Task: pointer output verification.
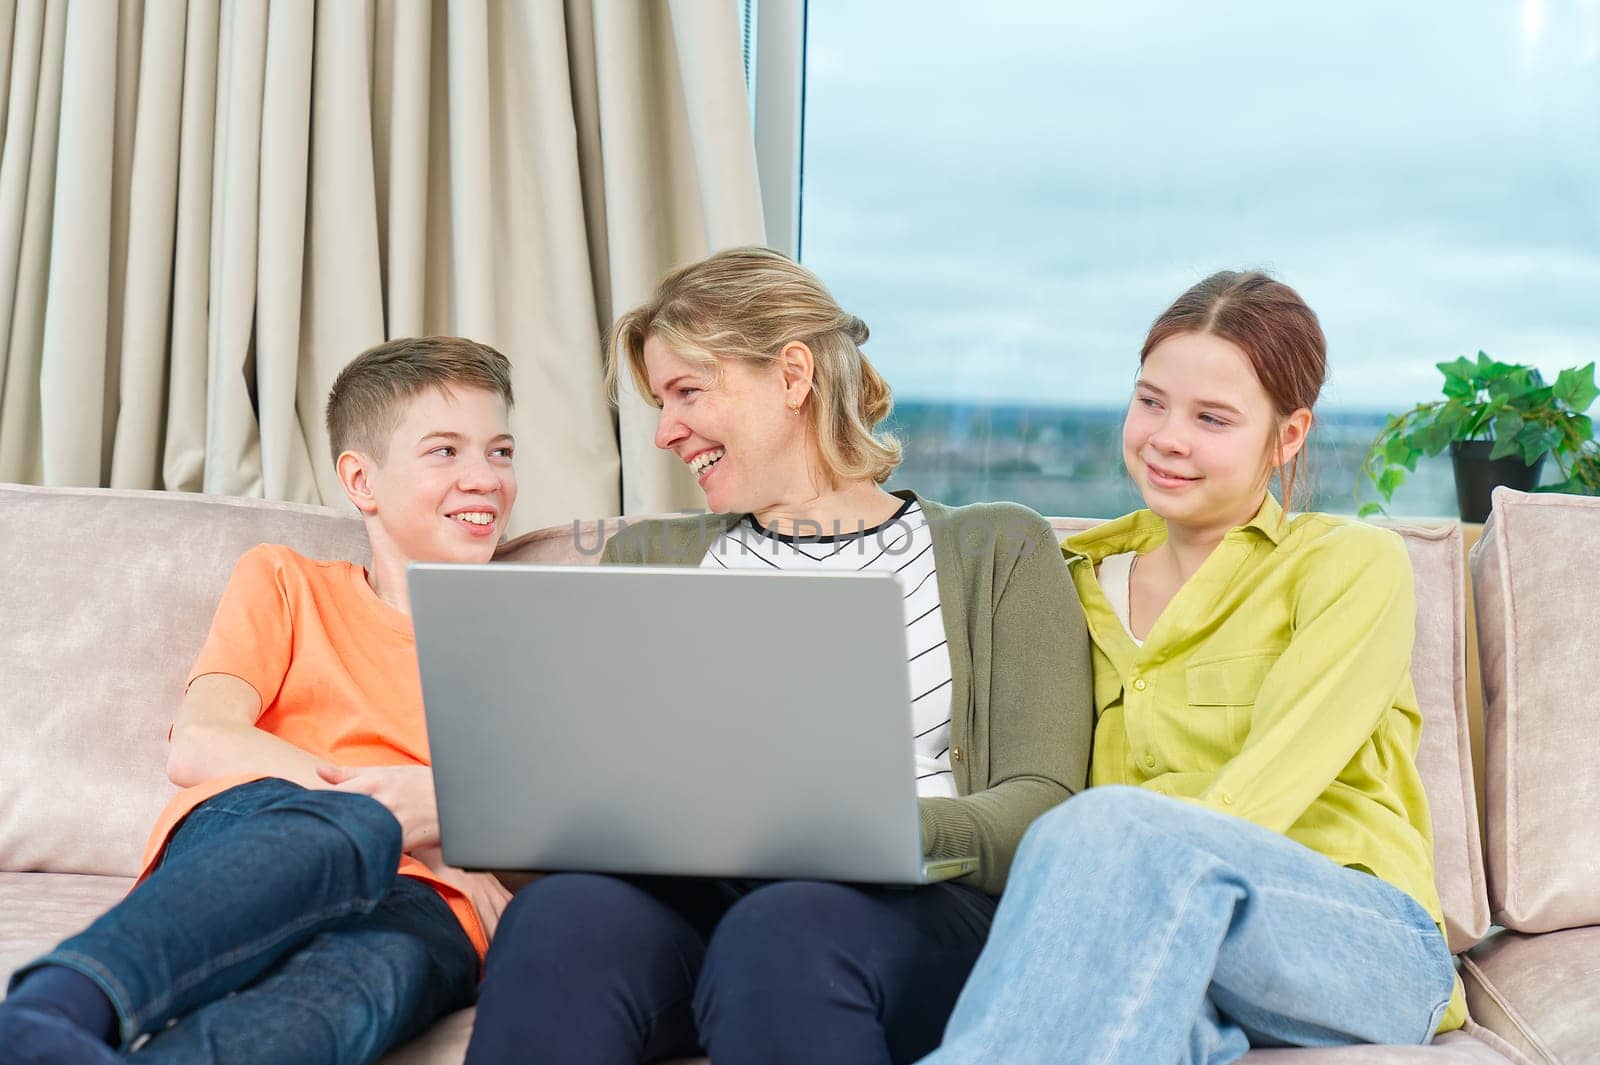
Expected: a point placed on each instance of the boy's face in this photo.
(444, 489)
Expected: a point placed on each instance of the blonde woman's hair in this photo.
(747, 304)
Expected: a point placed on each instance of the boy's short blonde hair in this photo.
(746, 304)
(367, 397)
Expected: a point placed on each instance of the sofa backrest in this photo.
(576, 544)
(1444, 758)
(106, 600)
(1537, 595)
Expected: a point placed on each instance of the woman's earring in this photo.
(794, 408)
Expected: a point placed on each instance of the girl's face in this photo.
(1200, 433)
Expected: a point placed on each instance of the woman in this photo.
(1260, 870)
(765, 394)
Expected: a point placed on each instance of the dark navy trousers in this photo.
(617, 971)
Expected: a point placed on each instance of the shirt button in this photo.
(1227, 800)
(1140, 685)
(1149, 760)
(955, 754)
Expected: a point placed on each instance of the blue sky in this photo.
(1009, 193)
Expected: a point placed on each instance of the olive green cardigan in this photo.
(1021, 700)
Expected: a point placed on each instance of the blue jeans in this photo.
(288, 897)
(590, 969)
(1143, 929)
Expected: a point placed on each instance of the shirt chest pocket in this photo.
(1221, 695)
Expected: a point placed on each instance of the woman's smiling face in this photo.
(1199, 432)
(732, 424)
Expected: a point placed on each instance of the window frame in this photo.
(778, 114)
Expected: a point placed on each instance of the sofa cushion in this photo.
(107, 599)
(1444, 758)
(1538, 992)
(443, 1044)
(39, 910)
(446, 1044)
(1452, 1048)
(1538, 594)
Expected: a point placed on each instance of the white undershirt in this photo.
(903, 545)
(1116, 580)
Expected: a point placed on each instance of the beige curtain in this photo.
(207, 208)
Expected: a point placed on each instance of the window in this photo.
(1009, 194)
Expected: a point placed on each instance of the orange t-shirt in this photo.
(336, 669)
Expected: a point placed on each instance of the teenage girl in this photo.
(1255, 866)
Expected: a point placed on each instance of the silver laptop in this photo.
(627, 719)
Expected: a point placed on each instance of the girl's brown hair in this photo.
(748, 304)
(1271, 324)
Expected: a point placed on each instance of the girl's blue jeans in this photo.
(1142, 929)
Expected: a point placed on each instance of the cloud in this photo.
(1008, 195)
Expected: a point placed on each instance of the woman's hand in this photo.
(487, 895)
(407, 790)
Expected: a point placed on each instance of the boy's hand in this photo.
(486, 893)
(407, 790)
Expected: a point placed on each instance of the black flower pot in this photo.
(1477, 475)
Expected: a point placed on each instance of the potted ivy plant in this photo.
(1499, 421)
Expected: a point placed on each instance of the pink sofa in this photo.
(108, 595)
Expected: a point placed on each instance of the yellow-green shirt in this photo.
(1275, 686)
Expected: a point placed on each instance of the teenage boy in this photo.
(294, 906)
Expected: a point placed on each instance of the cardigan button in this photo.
(955, 754)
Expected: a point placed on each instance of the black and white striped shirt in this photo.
(903, 546)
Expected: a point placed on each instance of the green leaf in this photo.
(1458, 383)
(1576, 485)
(1576, 388)
(1515, 382)
(1390, 479)
(1536, 440)
(1506, 427)
(1534, 399)
(1434, 438)
(1492, 370)
(1432, 433)
(1507, 423)
(1454, 417)
(1368, 510)
(1585, 479)
(1396, 450)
